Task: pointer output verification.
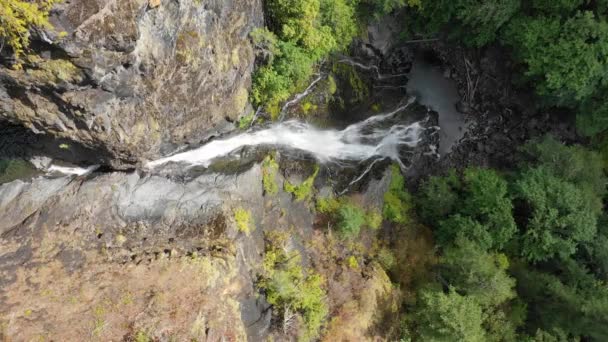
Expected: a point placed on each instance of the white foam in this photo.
(357, 142)
(72, 171)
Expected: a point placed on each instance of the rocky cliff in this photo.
(135, 77)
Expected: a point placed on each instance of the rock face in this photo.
(135, 77)
(128, 254)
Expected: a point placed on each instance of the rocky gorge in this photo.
(128, 252)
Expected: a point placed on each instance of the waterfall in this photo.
(357, 142)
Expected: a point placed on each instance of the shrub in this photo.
(269, 174)
(245, 121)
(350, 219)
(348, 216)
(16, 19)
(291, 288)
(328, 205)
(373, 219)
(243, 221)
(304, 191)
(397, 201)
(352, 262)
(386, 258)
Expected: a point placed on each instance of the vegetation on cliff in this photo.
(300, 33)
(17, 18)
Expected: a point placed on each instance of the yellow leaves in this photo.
(243, 220)
(16, 19)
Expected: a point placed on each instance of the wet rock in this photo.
(133, 80)
(382, 33)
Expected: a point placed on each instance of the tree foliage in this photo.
(302, 32)
(477, 207)
(566, 59)
(17, 18)
(397, 201)
(567, 299)
(477, 273)
(448, 317)
(560, 191)
(291, 288)
(559, 216)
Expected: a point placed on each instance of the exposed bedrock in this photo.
(135, 78)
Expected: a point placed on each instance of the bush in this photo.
(348, 216)
(328, 205)
(243, 221)
(269, 174)
(386, 258)
(17, 17)
(373, 219)
(291, 288)
(350, 220)
(303, 191)
(397, 201)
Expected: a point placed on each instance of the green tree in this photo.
(302, 32)
(448, 317)
(567, 299)
(397, 201)
(477, 207)
(475, 22)
(438, 197)
(564, 58)
(559, 217)
(291, 288)
(477, 273)
(575, 164)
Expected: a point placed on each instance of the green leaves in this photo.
(566, 60)
(397, 201)
(291, 288)
(448, 317)
(477, 207)
(473, 271)
(561, 193)
(303, 32)
(560, 218)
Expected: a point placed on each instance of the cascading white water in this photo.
(357, 142)
(71, 171)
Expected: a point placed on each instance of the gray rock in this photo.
(136, 80)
